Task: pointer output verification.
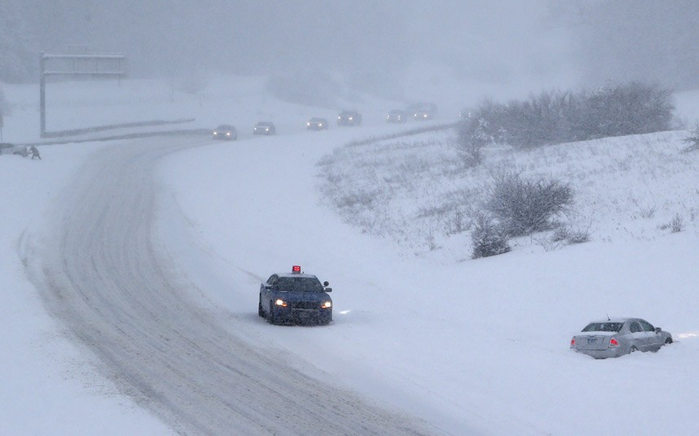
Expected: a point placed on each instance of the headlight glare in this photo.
(280, 302)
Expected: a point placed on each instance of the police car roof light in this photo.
(296, 269)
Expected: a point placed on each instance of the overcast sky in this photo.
(588, 40)
(262, 36)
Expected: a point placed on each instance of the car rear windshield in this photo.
(603, 327)
(298, 284)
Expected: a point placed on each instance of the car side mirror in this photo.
(658, 330)
(328, 289)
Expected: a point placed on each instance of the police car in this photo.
(295, 298)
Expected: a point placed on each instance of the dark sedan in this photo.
(264, 128)
(349, 118)
(317, 124)
(295, 298)
(226, 132)
(397, 116)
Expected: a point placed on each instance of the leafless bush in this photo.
(525, 206)
(648, 213)
(560, 234)
(553, 117)
(564, 234)
(675, 225)
(692, 140)
(487, 238)
(473, 137)
(578, 237)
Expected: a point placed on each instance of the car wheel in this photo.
(260, 311)
(270, 315)
(633, 349)
(668, 341)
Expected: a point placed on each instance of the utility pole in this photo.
(42, 96)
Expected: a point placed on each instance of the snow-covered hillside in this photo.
(470, 346)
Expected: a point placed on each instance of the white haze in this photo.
(536, 44)
(164, 37)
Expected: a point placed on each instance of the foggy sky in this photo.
(591, 41)
(263, 36)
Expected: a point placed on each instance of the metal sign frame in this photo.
(76, 65)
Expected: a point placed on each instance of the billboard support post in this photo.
(76, 65)
(42, 98)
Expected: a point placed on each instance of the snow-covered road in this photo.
(101, 270)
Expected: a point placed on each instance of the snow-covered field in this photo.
(471, 346)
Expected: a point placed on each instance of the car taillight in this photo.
(572, 343)
(613, 342)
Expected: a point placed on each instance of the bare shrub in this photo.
(564, 234)
(677, 224)
(578, 237)
(473, 137)
(648, 213)
(554, 117)
(692, 140)
(487, 238)
(560, 234)
(525, 206)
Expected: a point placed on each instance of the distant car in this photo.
(317, 124)
(616, 337)
(264, 128)
(226, 132)
(422, 110)
(295, 297)
(397, 116)
(349, 118)
(20, 150)
(423, 114)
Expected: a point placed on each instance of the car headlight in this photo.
(215, 133)
(326, 305)
(280, 302)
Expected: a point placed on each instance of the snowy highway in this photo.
(99, 269)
